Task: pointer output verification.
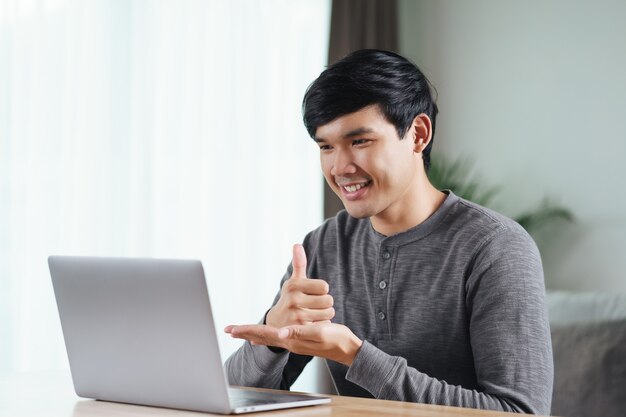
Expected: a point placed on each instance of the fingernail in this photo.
(283, 333)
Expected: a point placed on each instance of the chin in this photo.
(357, 213)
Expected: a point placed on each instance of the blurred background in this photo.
(173, 129)
(154, 129)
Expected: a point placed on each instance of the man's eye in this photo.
(325, 147)
(360, 141)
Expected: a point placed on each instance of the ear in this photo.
(421, 131)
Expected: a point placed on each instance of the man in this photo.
(411, 293)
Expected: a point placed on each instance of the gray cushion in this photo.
(567, 307)
(589, 369)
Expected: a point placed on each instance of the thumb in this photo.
(298, 262)
(291, 332)
(310, 332)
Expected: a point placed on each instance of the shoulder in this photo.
(500, 247)
(484, 228)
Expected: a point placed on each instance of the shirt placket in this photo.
(381, 289)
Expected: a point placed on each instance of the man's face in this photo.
(367, 165)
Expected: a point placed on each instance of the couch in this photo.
(589, 347)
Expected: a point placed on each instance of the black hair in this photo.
(367, 77)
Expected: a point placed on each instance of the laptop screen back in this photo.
(140, 331)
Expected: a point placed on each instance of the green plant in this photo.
(458, 176)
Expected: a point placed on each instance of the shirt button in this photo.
(386, 255)
(381, 315)
(382, 285)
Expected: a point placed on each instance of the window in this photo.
(159, 129)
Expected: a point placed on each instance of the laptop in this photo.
(141, 331)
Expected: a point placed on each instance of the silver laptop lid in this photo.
(140, 331)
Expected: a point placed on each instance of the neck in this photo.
(419, 203)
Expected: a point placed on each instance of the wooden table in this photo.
(51, 394)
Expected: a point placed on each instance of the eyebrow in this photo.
(356, 132)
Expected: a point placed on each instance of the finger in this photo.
(260, 341)
(308, 286)
(313, 332)
(286, 333)
(316, 315)
(228, 328)
(251, 329)
(257, 334)
(313, 301)
(299, 332)
(298, 262)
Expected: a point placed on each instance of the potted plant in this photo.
(456, 175)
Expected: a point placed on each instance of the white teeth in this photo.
(353, 188)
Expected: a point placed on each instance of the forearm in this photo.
(390, 378)
(256, 366)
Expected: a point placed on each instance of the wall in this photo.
(535, 93)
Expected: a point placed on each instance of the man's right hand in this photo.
(302, 300)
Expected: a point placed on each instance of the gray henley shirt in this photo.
(451, 312)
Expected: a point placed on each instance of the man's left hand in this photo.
(327, 340)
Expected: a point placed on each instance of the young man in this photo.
(411, 293)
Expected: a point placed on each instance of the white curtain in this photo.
(153, 128)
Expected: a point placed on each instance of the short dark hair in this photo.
(367, 77)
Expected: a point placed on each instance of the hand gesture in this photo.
(326, 340)
(302, 300)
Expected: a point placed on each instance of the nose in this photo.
(342, 163)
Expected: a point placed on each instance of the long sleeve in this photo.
(264, 367)
(509, 335)
(451, 312)
(256, 366)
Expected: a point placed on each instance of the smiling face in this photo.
(374, 173)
